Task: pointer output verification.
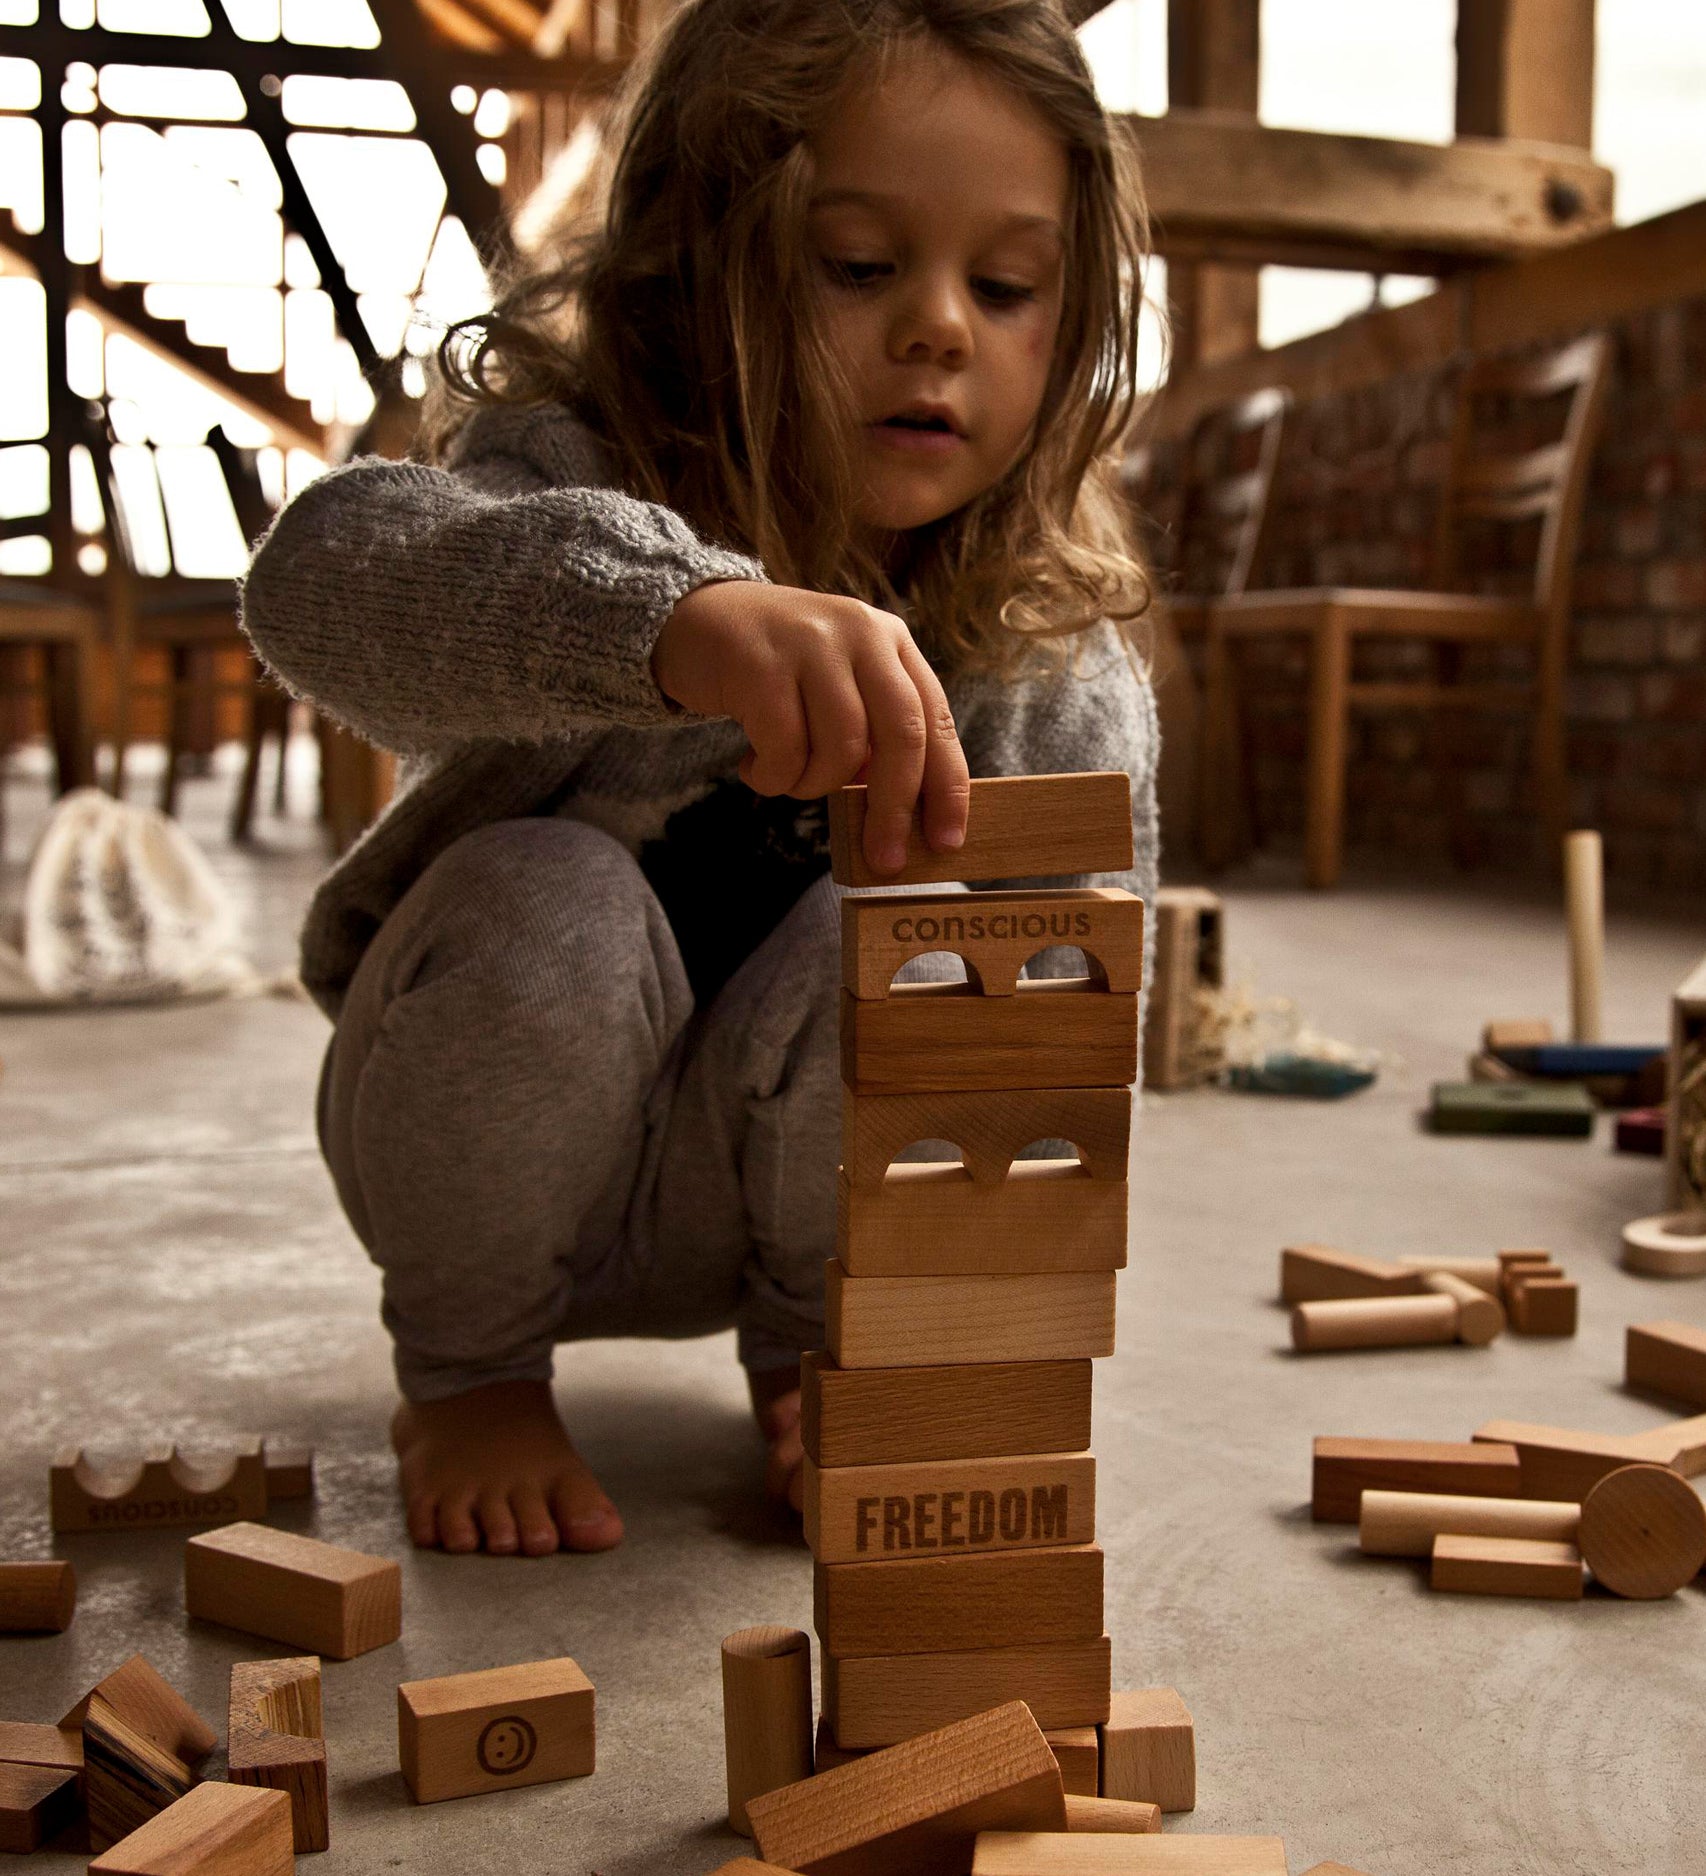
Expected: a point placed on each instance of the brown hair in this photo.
(679, 322)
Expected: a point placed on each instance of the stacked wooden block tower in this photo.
(950, 1494)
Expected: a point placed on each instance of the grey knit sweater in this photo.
(493, 623)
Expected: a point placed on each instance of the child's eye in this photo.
(848, 273)
(1002, 292)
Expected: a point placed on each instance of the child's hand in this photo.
(829, 691)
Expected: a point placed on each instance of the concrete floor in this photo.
(172, 1262)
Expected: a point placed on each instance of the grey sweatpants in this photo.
(539, 1139)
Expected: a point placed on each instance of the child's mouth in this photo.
(918, 431)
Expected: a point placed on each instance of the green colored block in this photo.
(1511, 1107)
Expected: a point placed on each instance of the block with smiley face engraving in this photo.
(496, 1728)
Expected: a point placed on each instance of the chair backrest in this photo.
(1230, 462)
(1519, 479)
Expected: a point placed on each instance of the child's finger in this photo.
(780, 739)
(899, 737)
(837, 728)
(945, 797)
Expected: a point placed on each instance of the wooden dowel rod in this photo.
(1480, 1317)
(767, 1714)
(1584, 906)
(37, 1598)
(1405, 1524)
(1374, 1322)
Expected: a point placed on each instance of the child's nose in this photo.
(932, 326)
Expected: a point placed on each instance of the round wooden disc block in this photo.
(1672, 1244)
(1643, 1531)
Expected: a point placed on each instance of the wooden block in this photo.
(216, 1830)
(1560, 1462)
(1032, 1853)
(495, 1729)
(1405, 1524)
(1507, 1566)
(1679, 1444)
(1669, 1244)
(1486, 1273)
(294, 1589)
(1019, 827)
(1149, 1751)
(289, 1469)
(1052, 1033)
(1345, 1468)
(991, 1128)
(995, 933)
(1519, 1107)
(1189, 925)
(928, 1322)
(828, 1752)
(1374, 1322)
(58, 1747)
(127, 1776)
(854, 1512)
(931, 1605)
(1666, 1358)
(1522, 1032)
(1118, 1816)
(875, 1700)
(1514, 1260)
(36, 1804)
(748, 1866)
(1078, 1752)
(277, 1739)
(934, 1220)
(1480, 1317)
(161, 1490)
(916, 1808)
(1312, 1273)
(1643, 1532)
(146, 1702)
(883, 1416)
(1514, 1276)
(1545, 1306)
(767, 1714)
(37, 1598)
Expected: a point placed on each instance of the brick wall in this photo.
(1355, 504)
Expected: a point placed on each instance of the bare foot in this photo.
(493, 1470)
(776, 1402)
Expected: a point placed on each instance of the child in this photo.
(788, 473)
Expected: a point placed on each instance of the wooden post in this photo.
(767, 1714)
(1584, 903)
(1525, 70)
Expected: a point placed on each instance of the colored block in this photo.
(1512, 1108)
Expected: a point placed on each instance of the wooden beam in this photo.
(1525, 69)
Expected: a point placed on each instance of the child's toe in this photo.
(533, 1520)
(457, 1530)
(497, 1521)
(422, 1515)
(585, 1517)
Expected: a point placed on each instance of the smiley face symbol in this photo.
(507, 1746)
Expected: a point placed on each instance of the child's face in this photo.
(937, 226)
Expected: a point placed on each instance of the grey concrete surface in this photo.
(172, 1263)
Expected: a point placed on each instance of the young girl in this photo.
(788, 473)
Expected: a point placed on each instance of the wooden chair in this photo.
(1545, 484)
(64, 628)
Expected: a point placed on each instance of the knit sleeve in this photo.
(511, 596)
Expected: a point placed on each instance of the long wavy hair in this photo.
(677, 319)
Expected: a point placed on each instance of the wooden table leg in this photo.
(1329, 714)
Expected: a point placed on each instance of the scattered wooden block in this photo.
(767, 1714)
(876, 1700)
(996, 933)
(289, 1469)
(1052, 1033)
(1666, 1358)
(36, 1804)
(1669, 1244)
(932, 1219)
(878, 1416)
(918, 1806)
(140, 1696)
(854, 1512)
(1560, 1462)
(1518, 1107)
(1019, 827)
(1149, 1751)
(1032, 1853)
(1124, 1817)
(277, 1739)
(294, 1589)
(1507, 1566)
(1679, 1444)
(748, 1866)
(37, 1598)
(991, 1128)
(1078, 1752)
(1486, 1273)
(1640, 1130)
(495, 1728)
(1643, 1532)
(1480, 1317)
(1515, 1260)
(1313, 1273)
(1522, 1032)
(1345, 1468)
(128, 1777)
(927, 1322)
(162, 1490)
(1544, 1306)
(57, 1747)
(215, 1830)
(930, 1605)
(1374, 1322)
(1405, 1524)
(1189, 924)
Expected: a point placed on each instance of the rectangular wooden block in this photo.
(1078, 1752)
(294, 1589)
(893, 1416)
(216, 1830)
(36, 1803)
(875, 1700)
(495, 1729)
(989, 1127)
(149, 1704)
(935, 1220)
(289, 1470)
(1560, 1462)
(1189, 924)
(995, 933)
(1346, 1468)
(1544, 1306)
(972, 1505)
(1507, 1566)
(162, 1490)
(24, 1743)
(1019, 827)
(37, 1598)
(747, 1866)
(931, 1605)
(1516, 1107)
(1149, 1750)
(927, 1322)
(1316, 1273)
(915, 1809)
(127, 1776)
(1052, 1033)
(277, 1740)
(1030, 1853)
(1666, 1358)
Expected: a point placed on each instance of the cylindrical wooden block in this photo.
(1126, 1817)
(1584, 904)
(1405, 1524)
(1485, 1273)
(37, 1597)
(1643, 1532)
(1374, 1322)
(1480, 1317)
(767, 1714)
